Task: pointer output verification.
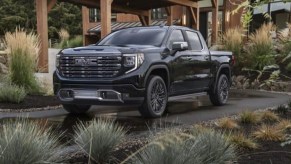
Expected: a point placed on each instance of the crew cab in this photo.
(142, 66)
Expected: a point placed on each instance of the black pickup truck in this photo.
(142, 66)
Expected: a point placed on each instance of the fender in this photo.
(158, 66)
(218, 73)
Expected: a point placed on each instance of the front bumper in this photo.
(83, 93)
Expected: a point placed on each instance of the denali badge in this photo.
(85, 62)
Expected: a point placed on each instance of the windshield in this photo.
(135, 36)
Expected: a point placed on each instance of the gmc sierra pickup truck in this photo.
(142, 66)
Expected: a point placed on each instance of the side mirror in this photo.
(180, 46)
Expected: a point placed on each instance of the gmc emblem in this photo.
(85, 62)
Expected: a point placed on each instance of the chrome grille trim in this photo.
(90, 66)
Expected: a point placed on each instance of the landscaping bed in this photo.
(31, 102)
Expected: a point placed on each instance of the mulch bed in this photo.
(268, 151)
(31, 102)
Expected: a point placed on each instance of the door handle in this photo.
(187, 57)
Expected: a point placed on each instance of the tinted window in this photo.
(135, 36)
(194, 40)
(176, 36)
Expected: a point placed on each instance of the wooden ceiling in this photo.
(135, 5)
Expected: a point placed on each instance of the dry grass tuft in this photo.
(227, 123)
(260, 48)
(64, 34)
(268, 116)
(242, 142)
(269, 133)
(248, 117)
(23, 50)
(284, 124)
(232, 40)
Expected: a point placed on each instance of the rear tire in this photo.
(219, 95)
(76, 109)
(156, 98)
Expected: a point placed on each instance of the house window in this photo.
(95, 16)
(159, 13)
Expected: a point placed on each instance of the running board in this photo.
(193, 95)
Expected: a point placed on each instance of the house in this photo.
(100, 17)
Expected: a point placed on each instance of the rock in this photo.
(3, 69)
(3, 60)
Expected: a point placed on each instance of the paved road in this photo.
(183, 111)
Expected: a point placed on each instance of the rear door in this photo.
(200, 61)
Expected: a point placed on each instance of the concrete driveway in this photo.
(181, 110)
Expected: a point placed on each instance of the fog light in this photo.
(66, 94)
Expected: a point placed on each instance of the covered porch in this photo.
(141, 8)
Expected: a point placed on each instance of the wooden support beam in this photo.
(51, 4)
(214, 21)
(146, 20)
(183, 3)
(195, 17)
(123, 9)
(105, 6)
(42, 30)
(85, 22)
(169, 11)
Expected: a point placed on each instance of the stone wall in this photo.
(3, 63)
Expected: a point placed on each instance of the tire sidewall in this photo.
(222, 77)
(150, 84)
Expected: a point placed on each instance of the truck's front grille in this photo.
(90, 67)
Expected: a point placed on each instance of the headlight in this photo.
(58, 56)
(133, 61)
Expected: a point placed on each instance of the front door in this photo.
(181, 66)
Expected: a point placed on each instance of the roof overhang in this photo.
(135, 6)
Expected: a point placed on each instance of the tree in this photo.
(21, 13)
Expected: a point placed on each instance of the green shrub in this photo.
(288, 67)
(98, 139)
(25, 142)
(23, 51)
(12, 94)
(261, 48)
(282, 109)
(208, 147)
(77, 41)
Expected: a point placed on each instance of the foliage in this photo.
(227, 123)
(268, 116)
(205, 148)
(285, 39)
(98, 139)
(288, 67)
(12, 93)
(23, 51)
(282, 109)
(232, 40)
(242, 142)
(21, 13)
(260, 47)
(248, 117)
(284, 125)
(25, 142)
(269, 133)
(287, 141)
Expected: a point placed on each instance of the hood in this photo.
(112, 50)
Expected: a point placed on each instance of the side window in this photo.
(176, 36)
(194, 40)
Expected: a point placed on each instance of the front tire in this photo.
(219, 95)
(76, 109)
(156, 98)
